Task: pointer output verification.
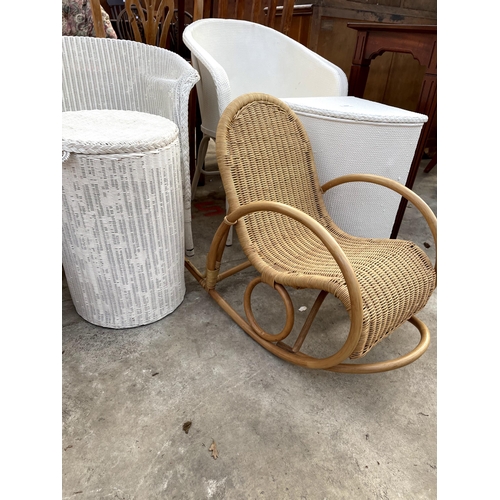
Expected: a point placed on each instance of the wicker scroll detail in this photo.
(251, 318)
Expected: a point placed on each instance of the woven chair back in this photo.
(264, 153)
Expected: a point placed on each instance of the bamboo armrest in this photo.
(410, 195)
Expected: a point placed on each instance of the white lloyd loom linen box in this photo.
(350, 135)
(122, 216)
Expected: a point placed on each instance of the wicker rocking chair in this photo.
(275, 203)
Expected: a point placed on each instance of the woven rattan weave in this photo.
(276, 204)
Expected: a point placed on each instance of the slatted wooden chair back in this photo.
(148, 20)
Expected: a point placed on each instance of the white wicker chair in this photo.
(235, 57)
(103, 73)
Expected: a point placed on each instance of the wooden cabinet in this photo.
(395, 78)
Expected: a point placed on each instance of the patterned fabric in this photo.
(77, 19)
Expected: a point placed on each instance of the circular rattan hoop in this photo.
(251, 318)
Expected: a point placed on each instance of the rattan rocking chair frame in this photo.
(328, 240)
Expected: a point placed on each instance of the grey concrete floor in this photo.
(281, 431)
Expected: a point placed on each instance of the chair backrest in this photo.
(235, 57)
(124, 28)
(117, 74)
(145, 21)
(149, 28)
(264, 154)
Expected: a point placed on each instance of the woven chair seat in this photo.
(395, 276)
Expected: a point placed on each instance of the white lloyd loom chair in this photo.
(276, 205)
(103, 73)
(235, 57)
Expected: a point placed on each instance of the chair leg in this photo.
(229, 241)
(200, 161)
(188, 232)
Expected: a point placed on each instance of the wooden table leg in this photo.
(431, 164)
(427, 106)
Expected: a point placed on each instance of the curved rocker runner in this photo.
(276, 206)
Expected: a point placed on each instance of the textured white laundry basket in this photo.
(351, 135)
(122, 216)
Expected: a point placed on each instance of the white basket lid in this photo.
(104, 131)
(353, 108)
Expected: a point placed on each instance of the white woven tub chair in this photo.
(103, 73)
(235, 57)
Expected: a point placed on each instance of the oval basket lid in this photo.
(353, 109)
(103, 131)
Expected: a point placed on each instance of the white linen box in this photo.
(122, 216)
(352, 135)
